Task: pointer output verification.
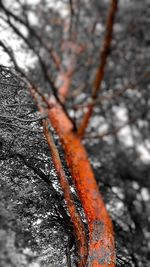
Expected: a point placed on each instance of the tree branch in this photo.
(23, 120)
(20, 126)
(76, 219)
(100, 71)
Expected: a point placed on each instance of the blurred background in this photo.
(37, 36)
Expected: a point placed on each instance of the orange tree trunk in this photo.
(101, 236)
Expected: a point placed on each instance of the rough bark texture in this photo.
(101, 235)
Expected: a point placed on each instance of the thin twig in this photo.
(20, 126)
(23, 120)
(11, 84)
(18, 105)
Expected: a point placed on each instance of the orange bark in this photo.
(65, 77)
(101, 236)
(101, 251)
(100, 71)
(78, 226)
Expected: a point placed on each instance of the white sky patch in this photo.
(118, 191)
(119, 205)
(79, 98)
(29, 2)
(118, 27)
(145, 194)
(4, 58)
(142, 123)
(96, 163)
(98, 122)
(109, 139)
(120, 113)
(125, 3)
(61, 7)
(99, 28)
(33, 19)
(125, 134)
(37, 222)
(28, 251)
(34, 264)
(147, 143)
(9, 3)
(103, 128)
(136, 133)
(72, 189)
(24, 58)
(133, 93)
(135, 185)
(116, 205)
(144, 153)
